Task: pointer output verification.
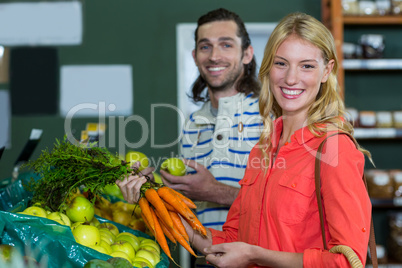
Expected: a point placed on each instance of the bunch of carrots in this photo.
(161, 209)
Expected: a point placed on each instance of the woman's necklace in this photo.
(283, 141)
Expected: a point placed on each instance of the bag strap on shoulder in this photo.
(372, 244)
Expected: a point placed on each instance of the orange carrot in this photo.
(166, 230)
(183, 242)
(147, 224)
(146, 211)
(168, 206)
(178, 225)
(185, 199)
(159, 235)
(175, 202)
(153, 198)
(197, 225)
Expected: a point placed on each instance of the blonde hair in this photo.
(327, 113)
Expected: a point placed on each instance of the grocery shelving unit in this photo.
(386, 138)
(333, 18)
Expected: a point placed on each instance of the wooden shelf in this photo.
(372, 20)
(378, 133)
(333, 18)
(372, 64)
(386, 203)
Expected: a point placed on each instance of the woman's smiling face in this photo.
(297, 73)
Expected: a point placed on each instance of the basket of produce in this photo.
(48, 239)
(67, 193)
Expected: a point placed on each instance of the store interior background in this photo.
(142, 34)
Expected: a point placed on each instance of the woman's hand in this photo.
(131, 185)
(240, 254)
(227, 255)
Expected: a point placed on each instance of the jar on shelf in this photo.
(395, 236)
(349, 50)
(384, 119)
(372, 45)
(352, 115)
(396, 7)
(367, 7)
(397, 118)
(383, 7)
(350, 7)
(367, 119)
(396, 176)
(379, 184)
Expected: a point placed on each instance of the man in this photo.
(217, 138)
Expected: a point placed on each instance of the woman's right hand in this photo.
(130, 186)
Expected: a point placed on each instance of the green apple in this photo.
(80, 209)
(35, 211)
(107, 235)
(133, 156)
(125, 247)
(133, 240)
(87, 235)
(148, 255)
(141, 262)
(174, 166)
(150, 245)
(106, 246)
(150, 248)
(120, 262)
(108, 225)
(95, 222)
(157, 177)
(75, 224)
(141, 238)
(129, 234)
(37, 204)
(137, 224)
(7, 252)
(100, 249)
(113, 190)
(60, 218)
(120, 254)
(97, 263)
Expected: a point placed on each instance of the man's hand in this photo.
(201, 186)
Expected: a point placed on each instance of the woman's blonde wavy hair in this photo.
(327, 113)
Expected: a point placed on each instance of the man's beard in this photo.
(229, 83)
(222, 87)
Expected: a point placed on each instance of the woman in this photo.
(274, 220)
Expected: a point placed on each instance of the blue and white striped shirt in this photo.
(222, 144)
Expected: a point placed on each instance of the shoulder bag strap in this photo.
(372, 244)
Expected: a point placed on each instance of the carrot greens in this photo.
(69, 166)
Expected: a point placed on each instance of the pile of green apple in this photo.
(103, 237)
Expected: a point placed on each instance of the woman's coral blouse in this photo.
(278, 210)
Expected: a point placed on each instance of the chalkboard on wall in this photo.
(34, 79)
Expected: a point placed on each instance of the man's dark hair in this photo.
(249, 82)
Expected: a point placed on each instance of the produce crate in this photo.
(12, 193)
(46, 240)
